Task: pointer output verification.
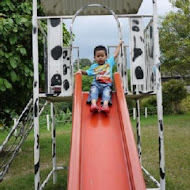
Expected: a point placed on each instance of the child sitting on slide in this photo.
(101, 69)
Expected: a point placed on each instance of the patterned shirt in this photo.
(102, 73)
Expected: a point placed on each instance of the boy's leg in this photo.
(105, 103)
(94, 93)
(93, 102)
(106, 97)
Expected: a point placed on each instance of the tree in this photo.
(16, 68)
(175, 39)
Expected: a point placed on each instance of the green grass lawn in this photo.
(177, 149)
(177, 155)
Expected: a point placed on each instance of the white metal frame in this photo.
(36, 96)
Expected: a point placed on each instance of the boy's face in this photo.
(100, 57)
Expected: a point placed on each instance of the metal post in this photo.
(134, 113)
(53, 143)
(159, 96)
(125, 71)
(138, 128)
(145, 112)
(36, 97)
(15, 121)
(78, 60)
(47, 118)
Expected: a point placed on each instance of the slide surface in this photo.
(103, 163)
(102, 154)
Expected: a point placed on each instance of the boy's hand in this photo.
(121, 42)
(79, 71)
(116, 53)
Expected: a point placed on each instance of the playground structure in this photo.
(88, 162)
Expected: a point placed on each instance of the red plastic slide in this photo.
(103, 150)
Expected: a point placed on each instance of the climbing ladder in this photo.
(16, 137)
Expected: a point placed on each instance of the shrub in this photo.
(150, 103)
(173, 94)
(185, 104)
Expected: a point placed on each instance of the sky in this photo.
(91, 31)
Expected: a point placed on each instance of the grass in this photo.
(177, 149)
(177, 155)
(21, 173)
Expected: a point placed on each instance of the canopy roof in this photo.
(70, 7)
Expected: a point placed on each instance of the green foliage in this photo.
(86, 80)
(83, 63)
(64, 117)
(66, 36)
(175, 39)
(150, 103)
(175, 98)
(15, 52)
(185, 104)
(63, 106)
(16, 67)
(173, 93)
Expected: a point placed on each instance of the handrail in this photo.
(121, 55)
(74, 165)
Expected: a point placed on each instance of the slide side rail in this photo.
(135, 171)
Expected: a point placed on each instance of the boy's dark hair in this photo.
(99, 48)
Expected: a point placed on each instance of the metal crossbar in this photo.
(151, 177)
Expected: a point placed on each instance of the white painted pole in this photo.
(78, 59)
(15, 132)
(53, 129)
(138, 127)
(134, 113)
(159, 96)
(36, 97)
(48, 124)
(145, 112)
